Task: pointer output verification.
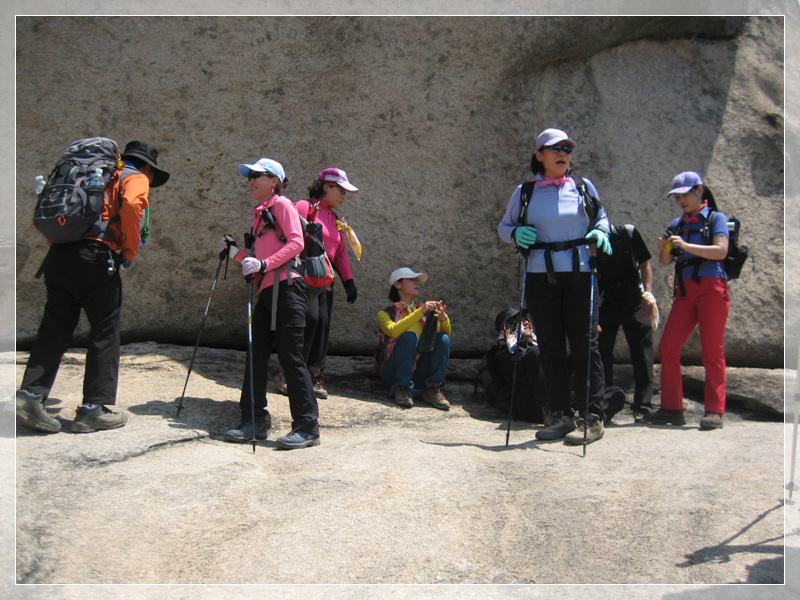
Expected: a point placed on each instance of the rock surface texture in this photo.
(391, 496)
(434, 119)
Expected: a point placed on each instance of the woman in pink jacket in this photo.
(273, 260)
(326, 194)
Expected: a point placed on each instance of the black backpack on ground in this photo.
(496, 372)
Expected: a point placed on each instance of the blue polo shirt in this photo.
(691, 232)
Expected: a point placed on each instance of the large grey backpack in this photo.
(71, 203)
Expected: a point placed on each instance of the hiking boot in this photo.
(297, 439)
(665, 416)
(95, 417)
(641, 410)
(281, 382)
(244, 433)
(435, 397)
(557, 426)
(319, 386)
(711, 420)
(402, 397)
(31, 413)
(593, 432)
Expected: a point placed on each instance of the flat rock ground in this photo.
(391, 496)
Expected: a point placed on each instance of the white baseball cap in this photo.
(406, 273)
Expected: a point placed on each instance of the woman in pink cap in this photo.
(701, 299)
(327, 195)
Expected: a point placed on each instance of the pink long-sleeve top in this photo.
(268, 246)
(335, 245)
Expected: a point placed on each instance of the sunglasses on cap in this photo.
(256, 174)
(559, 148)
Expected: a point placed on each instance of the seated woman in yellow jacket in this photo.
(404, 367)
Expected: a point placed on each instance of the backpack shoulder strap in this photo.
(590, 202)
(524, 198)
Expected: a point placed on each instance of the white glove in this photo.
(651, 311)
(252, 265)
(227, 243)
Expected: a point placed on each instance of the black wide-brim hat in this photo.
(149, 155)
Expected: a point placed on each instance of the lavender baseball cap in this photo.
(333, 175)
(685, 181)
(553, 136)
(264, 165)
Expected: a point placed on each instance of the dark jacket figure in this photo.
(626, 284)
(84, 276)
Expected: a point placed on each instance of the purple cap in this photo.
(337, 176)
(684, 182)
(553, 136)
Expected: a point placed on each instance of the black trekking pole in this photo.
(223, 255)
(520, 333)
(593, 270)
(249, 280)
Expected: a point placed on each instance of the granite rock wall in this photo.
(434, 119)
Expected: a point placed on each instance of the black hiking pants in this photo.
(639, 335)
(560, 313)
(77, 278)
(318, 329)
(288, 342)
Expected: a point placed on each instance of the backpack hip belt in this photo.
(550, 247)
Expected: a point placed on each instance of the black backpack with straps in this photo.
(733, 261)
(591, 208)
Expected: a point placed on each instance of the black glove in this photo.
(350, 289)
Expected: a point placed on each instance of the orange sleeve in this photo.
(134, 192)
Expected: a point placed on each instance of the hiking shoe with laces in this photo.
(711, 420)
(244, 433)
(402, 397)
(319, 386)
(297, 439)
(594, 432)
(435, 397)
(31, 413)
(665, 416)
(557, 427)
(96, 417)
(281, 382)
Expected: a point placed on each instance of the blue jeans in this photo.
(432, 367)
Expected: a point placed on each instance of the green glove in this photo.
(525, 236)
(603, 244)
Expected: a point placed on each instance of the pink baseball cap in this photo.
(333, 175)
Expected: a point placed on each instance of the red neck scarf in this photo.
(693, 218)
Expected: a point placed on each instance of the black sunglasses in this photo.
(257, 174)
(557, 149)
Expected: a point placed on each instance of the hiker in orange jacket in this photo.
(84, 275)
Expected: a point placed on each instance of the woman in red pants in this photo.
(696, 243)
